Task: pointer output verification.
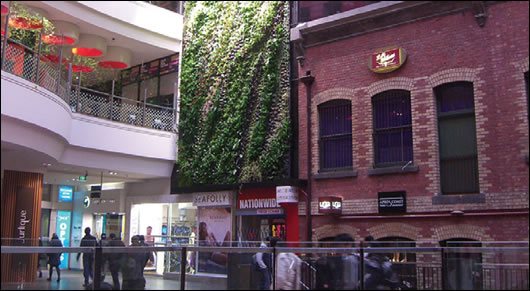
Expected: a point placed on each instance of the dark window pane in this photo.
(455, 96)
(457, 134)
(335, 134)
(458, 137)
(392, 127)
(459, 175)
(336, 152)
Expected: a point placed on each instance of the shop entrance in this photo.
(109, 223)
(259, 228)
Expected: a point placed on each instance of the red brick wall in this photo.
(440, 50)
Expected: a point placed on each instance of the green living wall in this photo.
(234, 124)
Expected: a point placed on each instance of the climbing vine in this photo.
(234, 122)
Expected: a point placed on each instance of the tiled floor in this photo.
(73, 280)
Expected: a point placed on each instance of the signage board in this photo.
(23, 227)
(392, 202)
(257, 198)
(330, 205)
(64, 219)
(286, 194)
(66, 193)
(86, 201)
(387, 59)
(212, 199)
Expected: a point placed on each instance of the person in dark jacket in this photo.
(114, 260)
(132, 267)
(54, 259)
(88, 258)
(378, 273)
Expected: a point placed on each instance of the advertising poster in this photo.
(65, 193)
(64, 219)
(215, 225)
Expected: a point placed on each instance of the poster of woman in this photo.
(215, 226)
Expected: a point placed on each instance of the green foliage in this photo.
(234, 101)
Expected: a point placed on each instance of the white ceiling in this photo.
(142, 52)
(18, 158)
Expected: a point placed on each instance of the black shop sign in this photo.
(392, 202)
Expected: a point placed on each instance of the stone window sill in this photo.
(393, 170)
(336, 174)
(443, 199)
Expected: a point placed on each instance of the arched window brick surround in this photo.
(331, 230)
(467, 231)
(320, 98)
(521, 113)
(468, 75)
(396, 229)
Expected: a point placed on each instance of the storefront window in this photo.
(164, 224)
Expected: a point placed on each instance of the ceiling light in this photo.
(90, 45)
(116, 58)
(64, 33)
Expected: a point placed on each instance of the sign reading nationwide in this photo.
(387, 59)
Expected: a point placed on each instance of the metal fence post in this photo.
(97, 267)
(60, 67)
(273, 276)
(78, 99)
(38, 58)
(111, 100)
(143, 112)
(5, 36)
(361, 254)
(183, 254)
(69, 85)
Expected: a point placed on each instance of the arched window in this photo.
(392, 128)
(335, 142)
(461, 270)
(457, 138)
(403, 263)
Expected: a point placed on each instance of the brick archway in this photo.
(330, 230)
(467, 231)
(397, 230)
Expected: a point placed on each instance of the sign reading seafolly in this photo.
(212, 199)
(387, 59)
(64, 219)
(286, 194)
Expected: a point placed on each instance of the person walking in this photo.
(114, 260)
(132, 266)
(378, 270)
(264, 262)
(88, 258)
(54, 259)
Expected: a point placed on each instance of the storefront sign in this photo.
(86, 201)
(274, 211)
(212, 199)
(286, 194)
(330, 205)
(23, 224)
(257, 203)
(392, 202)
(65, 193)
(387, 59)
(64, 219)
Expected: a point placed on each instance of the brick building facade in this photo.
(481, 44)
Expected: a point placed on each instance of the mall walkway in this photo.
(73, 280)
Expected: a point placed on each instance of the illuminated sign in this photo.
(64, 219)
(330, 205)
(387, 59)
(86, 202)
(65, 193)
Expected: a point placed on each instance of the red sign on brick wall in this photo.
(387, 60)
